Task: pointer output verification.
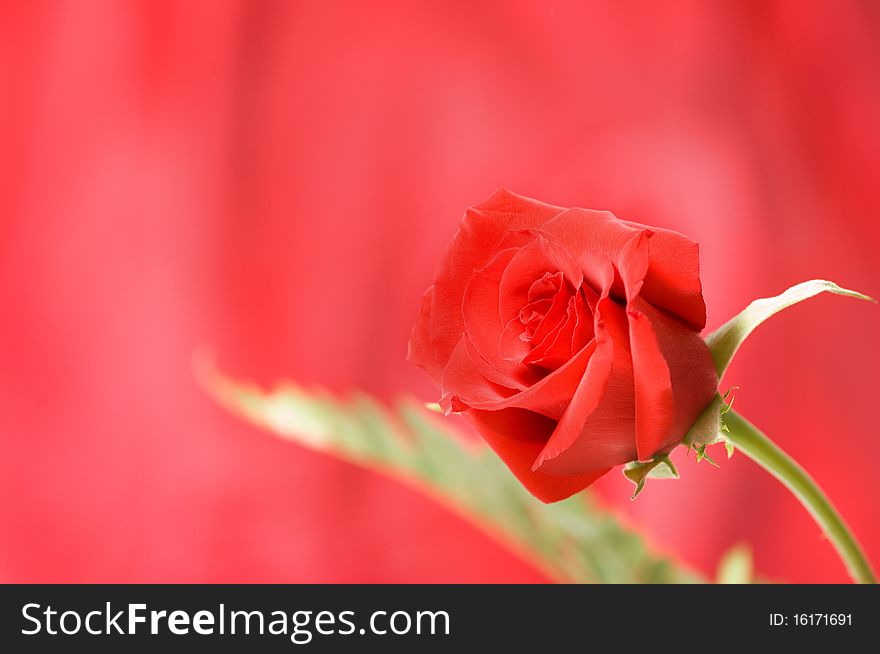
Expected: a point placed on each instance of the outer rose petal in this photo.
(516, 211)
(483, 326)
(673, 279)
(483, 230)
(596, 237)
(549, 397)
(692, 371)
(517, 436)
(651, 380)
(461, 383)
(420, 349)
(654, 405)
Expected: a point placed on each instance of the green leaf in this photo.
(725, 341)
(736, 566)
(638, 472)
(572, 541)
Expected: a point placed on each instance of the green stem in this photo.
(749, 439)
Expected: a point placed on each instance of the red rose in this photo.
(568, 337)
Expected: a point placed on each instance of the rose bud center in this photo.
(554, 322)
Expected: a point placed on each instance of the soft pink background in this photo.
(278, 179)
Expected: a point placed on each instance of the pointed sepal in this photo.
(638, 472)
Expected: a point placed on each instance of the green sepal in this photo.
(708, 425)
(709, 428)
(701, 454)
(660, 467)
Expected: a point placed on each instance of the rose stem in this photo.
(755, 445)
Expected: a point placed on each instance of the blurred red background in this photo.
(279, 179)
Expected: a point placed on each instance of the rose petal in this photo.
(654, 405)
(584, 330)
(594, 431)
(491, 373)
(484, 230)
(517, 436)
(596, 237)
(420, 350)
(516, 211)
(691, 369)
(545, 287)
(483, 326)
(551, 395)
(533, 313)
(673, 279)
(555, 317)
(462, 384)
(511, 347)
(555, 349)
(531, 263)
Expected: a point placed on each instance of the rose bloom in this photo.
(569, 338)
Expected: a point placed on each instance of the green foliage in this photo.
(725, 341)
(572, 541)
(736, 566)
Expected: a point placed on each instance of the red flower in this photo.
(568, 337)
